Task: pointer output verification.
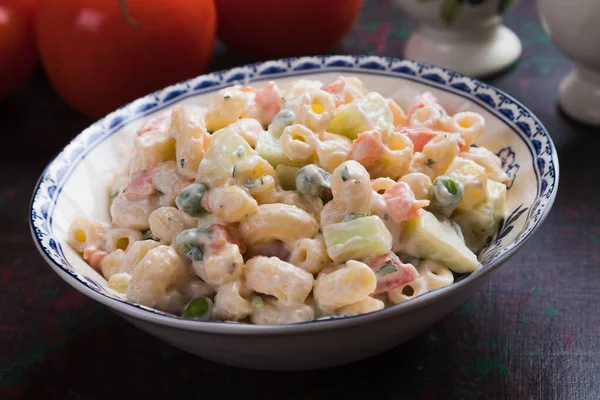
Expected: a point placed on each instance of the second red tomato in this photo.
(276, 28)
(98, 60)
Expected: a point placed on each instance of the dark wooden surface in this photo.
(533, 332)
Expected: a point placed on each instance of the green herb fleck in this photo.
(233, 173)
(345, 174)
(239, 151)
(352, 217)
(227, 96)
(388, 268)
(182, 162)
(429, 162)
(159, 192)
(283, 101)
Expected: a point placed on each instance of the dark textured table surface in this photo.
(533, 332)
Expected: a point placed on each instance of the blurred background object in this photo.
(274, 28)
(18, 54)
(466, 36)
(574, 27)
(100, 55)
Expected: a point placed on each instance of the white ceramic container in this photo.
(74, 184)
(463, 35)
(574, 27)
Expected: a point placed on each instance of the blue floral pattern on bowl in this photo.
(512, 113)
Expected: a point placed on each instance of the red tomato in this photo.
(276, 28)
(18, 54)
(98, 60)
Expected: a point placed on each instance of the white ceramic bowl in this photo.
(74, 185)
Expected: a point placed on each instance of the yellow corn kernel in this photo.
(80, 236)
(317, 108)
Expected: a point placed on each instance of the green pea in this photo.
(198, 309)
(447, 191)
(283, 119)
(190, 242)
(312, 180)
(189, 200)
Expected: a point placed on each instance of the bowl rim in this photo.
(398, 68)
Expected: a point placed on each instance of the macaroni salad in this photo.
(285, 204)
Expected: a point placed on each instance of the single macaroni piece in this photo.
(332, 150)
(252, 168)
(314, 109)
(231, 203)
(248, 129)
(351, 182)
(346, 286)
(136, 253)
(189, 130)
(167, 222)
(436, 157)
(112, 263)
(84, 233)
(366, 305)
(220, 267)
(429, 116)
(310, 254)
(264, 190)
(380, 185)
(298, 143)
(419, 183)
(150, 149)
(435, 274)
(285, 204)
(409, 290)
(150, 279)
(277, 221)
(119, 282)
(270, 275)
(120, 239)
(273, 312)
(230, 304)
(469, 125)
(227, 107)
(395, 158)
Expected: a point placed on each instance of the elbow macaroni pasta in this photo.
(252, 207)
